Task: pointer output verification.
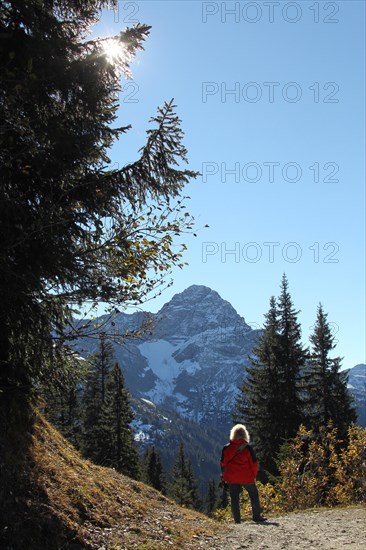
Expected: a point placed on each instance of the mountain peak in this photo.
(196, 295)
(196, 307)
(194, 291)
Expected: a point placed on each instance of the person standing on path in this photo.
(239, 466)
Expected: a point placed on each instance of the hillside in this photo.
(70, 503)
(166, 430)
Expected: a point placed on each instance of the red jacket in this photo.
(239, 467)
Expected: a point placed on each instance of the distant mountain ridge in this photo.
(357, 386)
(194, 359)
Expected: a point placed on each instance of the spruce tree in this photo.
(178, 489)
(270, 400)
(58, 187)
(183, 488)
(152, 471)
(212, 497)
(118, 445)
(328, 398)
(292, 359)
(93, 400)
(193, 487)
(259, 403)
(62, 393)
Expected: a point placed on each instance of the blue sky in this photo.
(271, 97)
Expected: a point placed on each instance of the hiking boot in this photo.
(259, 519)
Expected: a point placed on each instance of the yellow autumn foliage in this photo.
(315, 470)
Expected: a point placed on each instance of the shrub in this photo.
(315, 470)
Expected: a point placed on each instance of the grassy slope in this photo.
(72, 503)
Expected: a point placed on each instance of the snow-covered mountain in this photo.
(194, 358)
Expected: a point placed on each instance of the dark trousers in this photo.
(235, 490)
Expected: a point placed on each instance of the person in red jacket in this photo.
(239, 466)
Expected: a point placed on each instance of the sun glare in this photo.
(112, 50)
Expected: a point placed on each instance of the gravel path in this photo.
(336, 529)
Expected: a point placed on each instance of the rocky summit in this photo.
(193, 359)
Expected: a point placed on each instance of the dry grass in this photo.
(77, 504)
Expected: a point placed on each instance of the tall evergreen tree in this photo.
(178, 489)
(259, 403)
(118, 444)
(152, 471)
(270, 400)
(325, 385)
(58, 106)
(196, 502)
(212, 497)
(62, 391)
(93, 400)
(183, 488)
(292, 359)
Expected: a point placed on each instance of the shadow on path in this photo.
(266, 523)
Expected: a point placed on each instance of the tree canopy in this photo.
(327, 395)
(73, 228)
(286, 385)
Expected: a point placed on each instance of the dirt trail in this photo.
(334, 529)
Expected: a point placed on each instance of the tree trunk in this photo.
(16, 421)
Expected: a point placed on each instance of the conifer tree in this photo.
(62, 393)
(212, 497)
(183, 488)
(328, 398)
(73, 227)
(93, 400)
(118, 444)
(179, 487)
(292, 360)
(270, 400)
(152, 471)
(259, 403)
(193, 487)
